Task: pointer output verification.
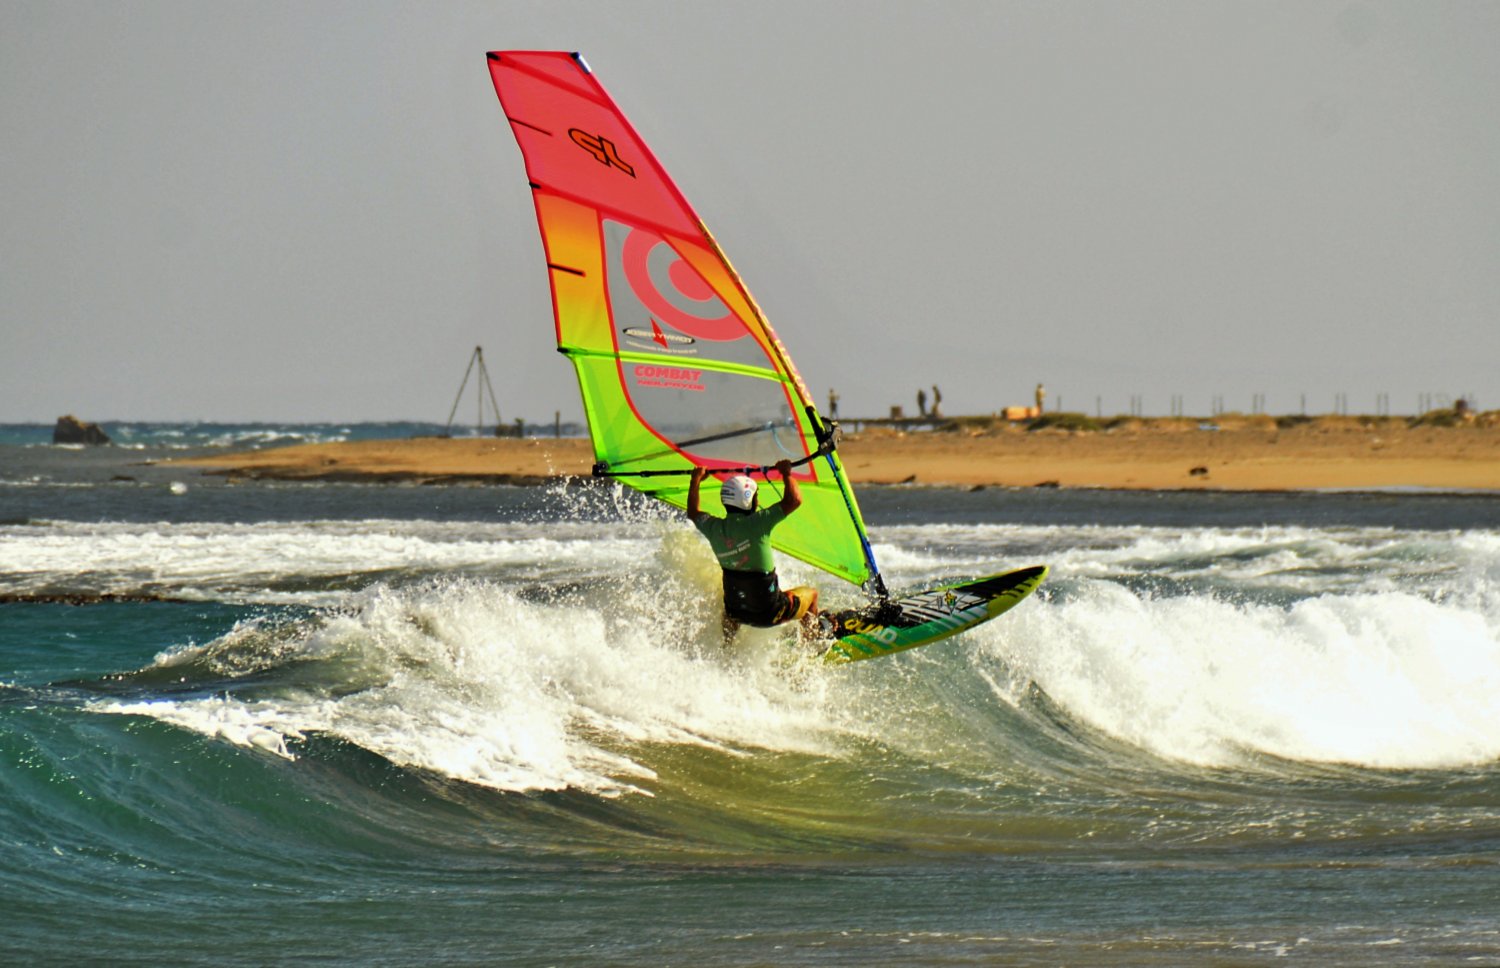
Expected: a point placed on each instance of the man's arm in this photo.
(693, 511)
(791, 497)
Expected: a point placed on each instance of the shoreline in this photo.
(1248, 454)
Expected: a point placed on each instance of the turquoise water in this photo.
(265, 723)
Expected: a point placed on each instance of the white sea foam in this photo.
(1368, 646)
(1387, 681)
(245, 560)
(466, 680)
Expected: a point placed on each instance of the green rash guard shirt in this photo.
(742, 542)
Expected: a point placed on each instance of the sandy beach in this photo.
(1231, 453)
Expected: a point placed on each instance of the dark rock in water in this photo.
(71, 430)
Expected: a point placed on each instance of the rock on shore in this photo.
(71, 430)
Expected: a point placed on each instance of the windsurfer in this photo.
(741, 540)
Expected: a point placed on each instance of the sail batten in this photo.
(676, 364)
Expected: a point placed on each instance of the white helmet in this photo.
(738, 492)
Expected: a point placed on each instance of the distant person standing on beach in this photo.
(922, 402)
(1041, 394)
(937, 401)
(833, 405)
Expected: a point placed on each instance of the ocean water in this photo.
(261, 723)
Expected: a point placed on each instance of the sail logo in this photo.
(673, 291)
(658, 336)
(601, 148)
(668, 377)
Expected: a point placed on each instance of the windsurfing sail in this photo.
(676, 363)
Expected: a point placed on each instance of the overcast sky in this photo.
(314, 211)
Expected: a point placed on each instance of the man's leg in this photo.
(802, 605)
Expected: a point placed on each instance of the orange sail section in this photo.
(676, 364)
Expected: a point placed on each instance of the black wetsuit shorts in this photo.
(755, 598)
